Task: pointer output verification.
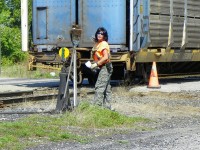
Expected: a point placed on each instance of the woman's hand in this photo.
(94, 65)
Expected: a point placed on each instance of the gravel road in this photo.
(176, 120)
(175, 115)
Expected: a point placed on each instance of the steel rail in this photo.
(18, 93)
(9, 99)
(28, 98)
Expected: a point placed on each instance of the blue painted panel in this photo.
(145, 24)
(141, 24)
(60, 15)
(136, 25)
(110, 14)
(41, 23)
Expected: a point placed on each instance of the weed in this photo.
(45, 128)
(21, 71)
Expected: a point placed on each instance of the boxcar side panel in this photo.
(110, 14)
(52, 21)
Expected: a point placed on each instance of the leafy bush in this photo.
(10, 31)
(11, 46)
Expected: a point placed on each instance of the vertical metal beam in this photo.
(184, 38)
(76, 11)
(145, 24)
(171, 35)
(0, 51)
(131, 25)
(137, 24)
(75, 77)
(75, 37)
(24, 24)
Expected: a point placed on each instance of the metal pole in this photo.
(24, 24)
(184, 38)
(171, 36)
(75, 37)
(131, 25)
(75, 78)
(0, 52)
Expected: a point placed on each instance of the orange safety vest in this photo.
(99, 48)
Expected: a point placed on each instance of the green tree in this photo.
(10, 31)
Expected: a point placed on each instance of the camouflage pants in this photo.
(103, 92)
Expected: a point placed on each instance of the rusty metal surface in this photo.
(9, 98)
(164, 56)
(159, 30)
(166, 24)
(163, 7)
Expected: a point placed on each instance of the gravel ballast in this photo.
(175, 119)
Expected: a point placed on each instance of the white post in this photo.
(171, 36)
(184, 38)
(75, 78)
(0, 51)
(131, 25)
(24, 24)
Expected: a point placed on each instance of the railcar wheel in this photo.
(79, 78)
(144, 73)
(71, 76)
(92, 79)
(127, 78)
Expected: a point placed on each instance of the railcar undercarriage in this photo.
(128, 66)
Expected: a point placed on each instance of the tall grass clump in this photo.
(37, 129)
(21, 71)
(89, 116)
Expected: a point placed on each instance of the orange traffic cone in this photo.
(153, 81)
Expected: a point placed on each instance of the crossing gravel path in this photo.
(176, 123)
(175, 114)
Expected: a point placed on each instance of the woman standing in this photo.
(101, 56)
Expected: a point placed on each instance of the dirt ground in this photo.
(175, 121)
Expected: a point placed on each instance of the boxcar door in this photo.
(110, 14)
(52, 21)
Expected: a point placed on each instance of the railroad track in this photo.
(181, 75)
(11, 98)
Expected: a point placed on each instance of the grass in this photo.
(21, 71)
(96, 117)
(37, 129)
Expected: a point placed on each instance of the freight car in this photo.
(140, 32)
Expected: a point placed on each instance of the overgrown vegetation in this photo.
(21, 71)
(37, 129)
(10, 32)
(13, 61)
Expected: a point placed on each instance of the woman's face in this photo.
(100, 36)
